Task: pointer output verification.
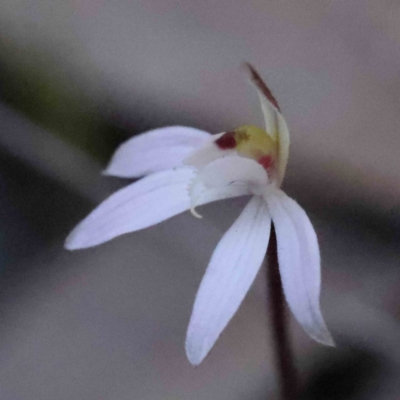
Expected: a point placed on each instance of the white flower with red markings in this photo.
(184, 168)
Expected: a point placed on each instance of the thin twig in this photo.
(283, 353)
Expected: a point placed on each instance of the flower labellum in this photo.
(187, 168)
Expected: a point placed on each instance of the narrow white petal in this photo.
(283, 146)
(274, 122)
(270, 113)
(156, 150)
(277, 128)
(232, 269)
(299, 263)
(144, 203)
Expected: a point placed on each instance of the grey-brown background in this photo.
(79, 76)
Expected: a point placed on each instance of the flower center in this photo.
(251, 142)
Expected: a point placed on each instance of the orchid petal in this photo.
(235, 173)
(155, 151)
(232, 269)
(283, 146)
(277, 128)
(147, 202)
(274, 122)
(142, 204)
(299, 263)
(224, 171)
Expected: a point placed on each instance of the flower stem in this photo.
(283, 353)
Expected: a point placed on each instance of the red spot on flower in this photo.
(266, 162)
(226, 141)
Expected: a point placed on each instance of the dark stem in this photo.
(283, 353)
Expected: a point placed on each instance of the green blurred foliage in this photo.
(32, 82)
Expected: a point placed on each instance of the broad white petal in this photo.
(141, 204)
(147, 202)
(224, 171)
(232, 269)
(237, 174)
(156, 150)
(299, 263)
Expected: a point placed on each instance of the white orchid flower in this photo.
(184, 168)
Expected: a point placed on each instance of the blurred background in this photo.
(77, 77)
